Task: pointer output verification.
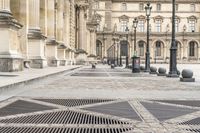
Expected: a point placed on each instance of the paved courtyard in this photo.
(103, 100)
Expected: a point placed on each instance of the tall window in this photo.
(141, 48)
(141, 25)
(192, 7)
(124, 7)
(96, 5)
(99, 49)
(192, 49)
(192, 25)
(158, 7)
(158, 48)
(176, 7)
(158, 25)
(99, 25)
(124, 24)
(176, 25)
(141, 6)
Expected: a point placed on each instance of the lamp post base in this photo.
(172, 75)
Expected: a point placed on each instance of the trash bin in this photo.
(135, 64)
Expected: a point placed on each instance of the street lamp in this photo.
(173, 49)
(135, 23)
(147, 61)
(127, 31)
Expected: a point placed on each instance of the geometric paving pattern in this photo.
(195, 121)
(193, 103)
(74, 102)
(32, 115)
(120, 109)
(20, 107)
(61, 130)
(63, 117)
(165, 112)
(194, 130)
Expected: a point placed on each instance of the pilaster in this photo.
(36, 40)
(10, 57)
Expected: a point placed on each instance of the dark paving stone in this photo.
(165, 112)
(195, 121)
(20, 107)
(90, 74)
(121, 109)
(130, 75)
(63, 117)
(193, 103)
(61, 130)
(74, 102)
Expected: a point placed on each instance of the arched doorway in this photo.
(99, 49)
(124, 52)
(158, 51)
(193, 50)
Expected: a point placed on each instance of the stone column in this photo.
(51, 44)
(60, 31)
(82, 39)
(36, 40)
(82, 27)
(10, 54)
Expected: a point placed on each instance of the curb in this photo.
(26, 82)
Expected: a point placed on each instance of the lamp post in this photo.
(147, 61)
(135, 23)
(127, 31)
(135, 59)
(173, 49)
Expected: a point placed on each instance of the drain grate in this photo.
(182, 102)
(195, 121)
(121, 109)
(63, 117)
(194, 130)
(74, 102)
(62, 130)
(165, 112)
(20, 106)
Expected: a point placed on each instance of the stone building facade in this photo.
(114, 16)
(40, 33)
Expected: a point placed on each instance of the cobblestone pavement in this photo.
(104, 100)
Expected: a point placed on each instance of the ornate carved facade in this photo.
(116, 15)
(40, 33)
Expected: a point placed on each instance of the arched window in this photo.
(141, 48)
(158, 48)
(192, 49)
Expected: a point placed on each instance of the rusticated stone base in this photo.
(11, 64)
(53, 62)
(38, 63)
(62, 63)
(81, 59)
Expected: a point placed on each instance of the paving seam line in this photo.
(6, 87)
